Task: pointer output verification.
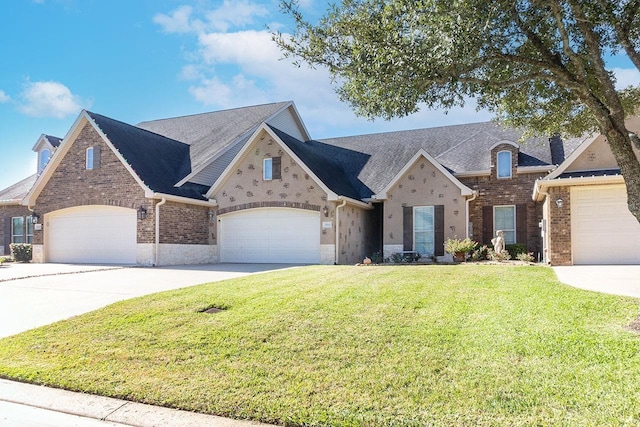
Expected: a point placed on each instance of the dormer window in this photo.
(504, 164)
(43, 158)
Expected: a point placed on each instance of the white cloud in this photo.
(49, 99)
(231, 14)
(626, 77)
(4, 97)
(178, 21)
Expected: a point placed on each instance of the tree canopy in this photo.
(537, 65)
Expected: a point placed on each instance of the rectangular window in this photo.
(504, 164)
(29, 229)
(89, 158)
(423, 230)
(267, 169)
(17, 229)
(504, 218)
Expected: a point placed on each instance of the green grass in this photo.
(410, 345)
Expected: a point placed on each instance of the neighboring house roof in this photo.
(589, 174)
(158, 161)
(16, 192)
(459, 148)
(210, 133)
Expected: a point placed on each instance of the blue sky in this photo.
(136, 60)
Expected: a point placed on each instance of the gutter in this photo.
(584, 180)
(180, 199)
(344, 202)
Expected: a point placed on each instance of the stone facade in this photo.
(354, 235)
(245, 188)
(422, 185)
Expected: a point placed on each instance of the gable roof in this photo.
(210, 133)
(53, 141)
(336, 167)
(158, 161)
(16, 192)
(459, 148)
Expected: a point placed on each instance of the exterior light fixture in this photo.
(35, 218)
(325, 211)
(212, 215)
(142, 213)
(559, 202)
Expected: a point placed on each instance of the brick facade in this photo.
(181, 223)
(559, 226)
(6, 213)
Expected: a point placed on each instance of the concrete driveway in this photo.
(610, 279)
(33, 295)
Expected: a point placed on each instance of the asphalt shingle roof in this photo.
(160, 162)
(209, 133)
(53, 140)
(459, 148)
(18, 190)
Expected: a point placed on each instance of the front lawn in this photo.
(407, 345)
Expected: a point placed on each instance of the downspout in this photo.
(344, 202)
(545, 229)
(475, 195)
(157, 245)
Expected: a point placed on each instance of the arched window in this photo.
(504, 164)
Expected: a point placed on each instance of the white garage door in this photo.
(92, 234)
(603, 231)
(270, 235)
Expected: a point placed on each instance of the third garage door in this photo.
(603, 231)
(270, 235)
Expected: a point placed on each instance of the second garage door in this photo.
(92, 234)
(270, 235)
(603, 231)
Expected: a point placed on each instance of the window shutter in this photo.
(407, 228)
(96, 157)
(521, 224)
(438, 222)
(276, 174)
(7, 234)
(487, 225)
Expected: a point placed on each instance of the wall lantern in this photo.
(559, 202)
(142, 213)
(325, 211)
(212, 215)
(35, 218)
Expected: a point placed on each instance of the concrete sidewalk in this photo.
(20, 402)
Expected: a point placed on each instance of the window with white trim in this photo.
(89, 158)
(504, 218)
(424, 230)
(43, 159)
(504, 164)
(267, 169)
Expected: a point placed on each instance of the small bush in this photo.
(2, 260)
(454, 246)
(400, 258)
(480, 254)
(524, 256)
(516, 248)
(499, 256)
(21, 252)
(376, 258)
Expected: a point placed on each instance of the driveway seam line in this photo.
(62, 273)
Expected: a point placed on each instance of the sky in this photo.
(138, 60)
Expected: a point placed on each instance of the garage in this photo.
(91, 234)
(603, 231)
(270, 235)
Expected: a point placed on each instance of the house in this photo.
(251, 185)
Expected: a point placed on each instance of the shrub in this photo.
(480, 254)
(524, 256)
(454, 246)
(400, 258)
(516, 248)
(21, 252)
(376, 258)
(499, 256)
(2, 260)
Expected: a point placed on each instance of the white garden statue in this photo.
(498, 242)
